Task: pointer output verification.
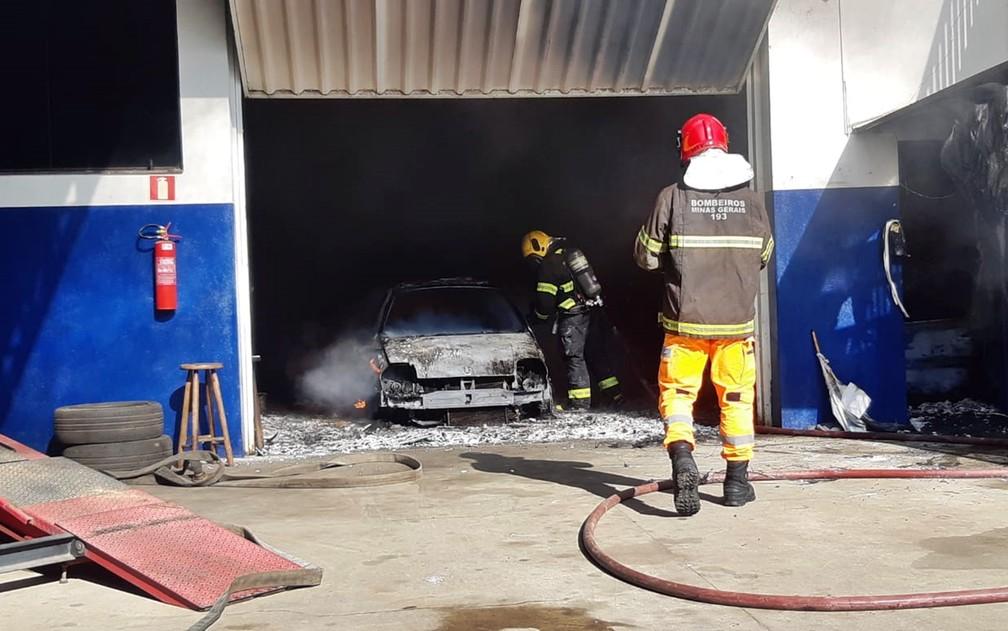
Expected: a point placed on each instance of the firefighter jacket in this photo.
(711, 246)
(555, 291)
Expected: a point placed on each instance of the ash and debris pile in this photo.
(960, 418)
(298, 435)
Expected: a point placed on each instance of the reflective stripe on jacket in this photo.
(555, 290)
(711, 246)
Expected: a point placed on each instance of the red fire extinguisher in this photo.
(165, 273)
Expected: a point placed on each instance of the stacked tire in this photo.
(113, 437)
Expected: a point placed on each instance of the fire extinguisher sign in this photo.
(162, 188)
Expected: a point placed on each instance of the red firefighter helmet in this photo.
(700, 133)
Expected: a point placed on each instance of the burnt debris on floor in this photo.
(959, 418)
(300, 435)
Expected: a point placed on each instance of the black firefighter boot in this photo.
(685, 478)
(737, 490)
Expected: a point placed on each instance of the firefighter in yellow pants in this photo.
(710, 237)
(733, 371)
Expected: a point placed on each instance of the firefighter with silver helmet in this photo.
(568, 289)
(710, 236)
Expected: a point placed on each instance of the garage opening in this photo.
(347, 198)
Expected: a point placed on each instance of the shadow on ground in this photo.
(580, 475)
(948, 455)
(88, 572)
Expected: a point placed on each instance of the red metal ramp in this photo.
(162, 548)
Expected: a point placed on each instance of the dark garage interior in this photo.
(950, 147)
(349, 197)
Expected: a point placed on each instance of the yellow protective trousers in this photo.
(733, 371)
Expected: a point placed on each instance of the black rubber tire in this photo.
(125, 456)
(92, 423)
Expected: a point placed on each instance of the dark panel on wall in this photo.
(90, 85)
(941, 233)
(79, 323)
(349, 197)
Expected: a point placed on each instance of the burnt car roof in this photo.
(442, 282)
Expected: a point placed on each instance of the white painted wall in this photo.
(971, 36)
(899, 51)
(206, 89)
(810, 143)
(243, 284)
(886, 46)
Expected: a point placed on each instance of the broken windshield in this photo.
(451, 311)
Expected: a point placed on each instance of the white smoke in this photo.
(340, 375)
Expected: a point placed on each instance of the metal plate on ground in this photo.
(175, 550)
(164, 549)
(65, 510)
(129, 518)
(9, 455)
(51, 479)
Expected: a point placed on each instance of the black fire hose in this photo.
(797, 602)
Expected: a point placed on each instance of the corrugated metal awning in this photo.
(521, 48)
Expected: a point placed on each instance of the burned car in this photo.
(449, 345)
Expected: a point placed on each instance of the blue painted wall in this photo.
(830, 278)
(77, 321)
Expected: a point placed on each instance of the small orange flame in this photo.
(360, 405)
(374, 366)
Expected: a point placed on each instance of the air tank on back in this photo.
(583, 274)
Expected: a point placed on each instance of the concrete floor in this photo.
(487, 540)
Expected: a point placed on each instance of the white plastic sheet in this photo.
(849, 403)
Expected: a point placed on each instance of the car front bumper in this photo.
(470, 398)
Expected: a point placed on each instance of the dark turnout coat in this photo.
(711, 246)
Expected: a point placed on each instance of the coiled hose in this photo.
(797, 602)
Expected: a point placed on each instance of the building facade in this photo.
(78, 323)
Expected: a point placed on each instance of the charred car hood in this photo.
(443, 356)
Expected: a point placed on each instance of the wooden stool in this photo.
(189, 435)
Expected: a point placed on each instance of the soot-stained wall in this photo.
(347, 198)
